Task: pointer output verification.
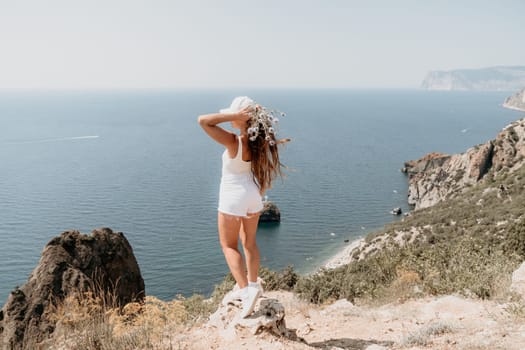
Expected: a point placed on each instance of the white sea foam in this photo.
(55, 139)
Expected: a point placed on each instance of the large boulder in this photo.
(72, 263)
(270, 213)
(268, 317)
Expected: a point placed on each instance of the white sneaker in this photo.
(232, 297)
(259, 285)
(248, 301)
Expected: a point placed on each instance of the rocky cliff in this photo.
(516, 101)
(436, 176)
(491, 78)
(72, 263)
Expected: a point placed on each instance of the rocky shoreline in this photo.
(362, 247)
(516, 101)
(437, 176)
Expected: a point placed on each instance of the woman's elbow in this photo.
(205, 121)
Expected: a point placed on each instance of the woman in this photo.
(250, 163)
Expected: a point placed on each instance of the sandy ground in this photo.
(343, 257)
(446, 322)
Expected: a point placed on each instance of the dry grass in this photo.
(516, 310)
(423, 336)
(407, 285)
(85, 321)
(96, 321)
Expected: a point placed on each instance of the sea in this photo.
(138, 162)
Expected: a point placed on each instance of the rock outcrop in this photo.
(491, 78)
(518, 281)
(102, 262)
(267, 318)
(437, 176)
(516, 101)
(270, 213)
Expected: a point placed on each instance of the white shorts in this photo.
(239, 196)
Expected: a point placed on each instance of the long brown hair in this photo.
(266, 165)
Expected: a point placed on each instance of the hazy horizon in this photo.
(161, 44)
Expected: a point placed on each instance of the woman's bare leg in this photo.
(249, 244)
(229, 227)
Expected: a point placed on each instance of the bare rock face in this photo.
(268, 317)
(509, 147)
(518, 281)
(516, 101)
(102, 262)
(434, 179)
(437, 176)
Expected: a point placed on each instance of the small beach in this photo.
(344, 256)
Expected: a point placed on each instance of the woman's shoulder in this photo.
(233, 145)
(231, 140)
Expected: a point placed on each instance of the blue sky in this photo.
(175, 44)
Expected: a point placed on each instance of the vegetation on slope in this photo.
(468, 245)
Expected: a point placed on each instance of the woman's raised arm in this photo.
(209, 122)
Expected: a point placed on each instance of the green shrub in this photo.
(364, 278)
(468, 266)
(514, 241)
(282, 280)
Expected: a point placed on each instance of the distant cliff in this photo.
(491, 78)
(516, 101)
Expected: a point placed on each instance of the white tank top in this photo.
(235, 166)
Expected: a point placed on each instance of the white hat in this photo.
(238, 104)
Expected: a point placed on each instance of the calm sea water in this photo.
(137, 161)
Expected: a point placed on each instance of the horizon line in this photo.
(208, 88)
(225, 88)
